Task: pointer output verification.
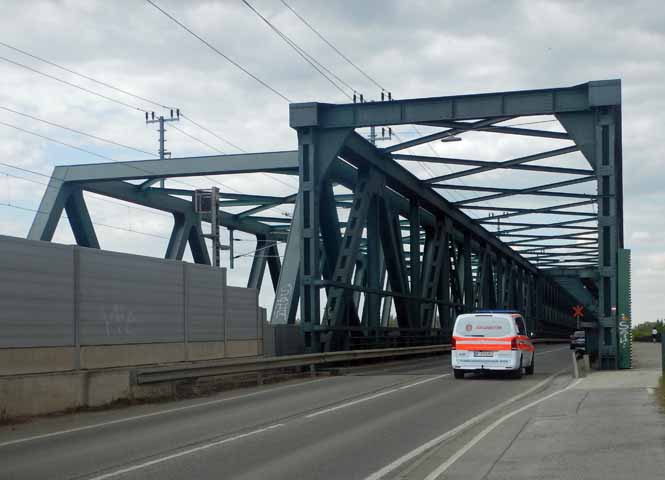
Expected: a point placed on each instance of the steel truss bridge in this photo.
(375, 254)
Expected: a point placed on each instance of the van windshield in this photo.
(484, 326)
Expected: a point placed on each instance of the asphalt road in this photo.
(342, 427)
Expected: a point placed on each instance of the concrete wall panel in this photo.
(205, 309)
(242, 313)
(36, 293)
(129, 299)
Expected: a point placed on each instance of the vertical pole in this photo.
(414, 257)
(374, 266)
(214, 224)
(662, 351)
(607, 167)
(444, 281)
(162, 150)
(231, 251)
(77, 314)
(469, 301)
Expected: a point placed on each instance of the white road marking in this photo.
(441, 469)
(204, 404)
(189, 451)
(551, 351)
(451, 433)
(154, 414)
(372, 397)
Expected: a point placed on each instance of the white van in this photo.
(491, 340)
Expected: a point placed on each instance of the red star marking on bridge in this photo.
(578, 311)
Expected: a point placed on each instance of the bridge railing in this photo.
(254, 365)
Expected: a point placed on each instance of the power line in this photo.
(305, 55)
(53, 124)
(108, 85)
(318, 34)
(52, 77)
(69, 145)
(213, 133)
(227, 186)
(98, 224)
(195, 138)
(220, 53)
(94, 196)
(89, 152)
(99, 82)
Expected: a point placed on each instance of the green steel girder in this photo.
(492, 165)
(462, 265)
(506, 164)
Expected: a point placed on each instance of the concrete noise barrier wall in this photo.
(67, 307)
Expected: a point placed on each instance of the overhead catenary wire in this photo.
(92, 92)
(89, 152)
(216, 135)
(94, 196)
(105, 84)
(219, 52)
(98, 224)
(196, 139)
(366, 75)
(79, 132)
(304, 54)
(311, 27)
(105, 97)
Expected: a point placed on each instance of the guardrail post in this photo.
(576, 369)
(662, 350)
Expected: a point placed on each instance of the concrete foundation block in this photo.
(26, 395)
(20, 361)
(242, 348)
(205, 350)
(105, 356)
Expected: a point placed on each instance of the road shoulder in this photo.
(606, 426)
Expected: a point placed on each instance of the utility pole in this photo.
(162, 140)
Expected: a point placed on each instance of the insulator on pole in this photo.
(390, 96)
(146, 116)
(383, 132)
(354, 97)
(390, 132)
(382, 96)
(153, 115)
(171, 113)
(362, 100)
(177, 112)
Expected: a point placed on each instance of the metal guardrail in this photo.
(243, 365)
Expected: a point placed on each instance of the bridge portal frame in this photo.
(361, 262)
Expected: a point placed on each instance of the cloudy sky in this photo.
(413, 49)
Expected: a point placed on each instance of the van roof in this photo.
(497, 311)
(467, 316)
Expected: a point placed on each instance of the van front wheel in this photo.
(458, 373)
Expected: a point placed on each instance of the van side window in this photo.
(519, 321)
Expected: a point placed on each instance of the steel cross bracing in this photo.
(394, 258)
